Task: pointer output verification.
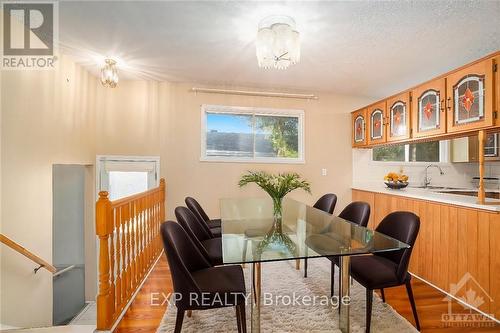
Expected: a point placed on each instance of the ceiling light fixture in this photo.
(278, 42)
(109, 74)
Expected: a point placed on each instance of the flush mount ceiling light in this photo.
(109, 74)
(278, 42)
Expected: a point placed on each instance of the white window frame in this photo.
(102, 159)
(444, 156)
(222, 109)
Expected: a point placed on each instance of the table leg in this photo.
(256, 297)
(344, 294)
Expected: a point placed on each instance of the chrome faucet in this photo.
(427, 179)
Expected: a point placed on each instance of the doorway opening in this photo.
(73, 241)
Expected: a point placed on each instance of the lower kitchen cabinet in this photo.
(455, 244)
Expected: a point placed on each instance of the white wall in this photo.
(327, 145)
(47, 118)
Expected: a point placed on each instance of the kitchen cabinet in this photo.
(428, 110)
(376, 114)
(398, 117)
(469, 97)
(460, 102)
(466, 149)
(359, 129)
(453, 241)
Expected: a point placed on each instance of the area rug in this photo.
(280, 279)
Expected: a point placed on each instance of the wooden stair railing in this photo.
(129, 244)
(28, 254)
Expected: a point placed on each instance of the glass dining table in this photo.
(250, 235)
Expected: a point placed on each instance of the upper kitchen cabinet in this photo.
(359, 137)
(469, 100)
(398, 117)
(428, 109)
(376, 123)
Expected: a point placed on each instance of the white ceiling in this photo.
(365, 48)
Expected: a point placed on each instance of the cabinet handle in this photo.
(448, 102)
(441, 106)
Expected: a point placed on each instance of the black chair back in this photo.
(183, 258)
(356, 212)
(193, 228)
(200, 214)
(404, 227)
(326, 203)
(196, 208)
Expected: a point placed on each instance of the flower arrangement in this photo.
(277, 186)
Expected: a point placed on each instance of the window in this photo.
(123, 176)
(434, 151)
(241, 134)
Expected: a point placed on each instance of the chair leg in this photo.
(243, 318)
(244, 256)
(382, 294)
(297, 264)
(189, 313)
(412, 302)
(238, 318)
(332, 279)
(178, 321)
(305, 267)
(369, 302)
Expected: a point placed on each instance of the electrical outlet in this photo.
(323, 172)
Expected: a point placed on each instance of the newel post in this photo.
(162, 191)
(103, 230)
(162, 213)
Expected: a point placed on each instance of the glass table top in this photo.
(251, 234)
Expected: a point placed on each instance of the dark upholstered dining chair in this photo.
(195, 207)
(207, 244)
(200, 285)
(327, 204)
(357, 212)
(388, 269)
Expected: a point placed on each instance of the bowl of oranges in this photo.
(395, 180)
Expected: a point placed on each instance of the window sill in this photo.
(253, 160)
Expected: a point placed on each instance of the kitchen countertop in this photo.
(431, 195)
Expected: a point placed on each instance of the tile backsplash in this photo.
(455, 174)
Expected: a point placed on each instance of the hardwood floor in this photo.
(144, 317)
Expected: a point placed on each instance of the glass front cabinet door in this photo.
(398, 109)
(376, 123)
(428, 110)
(359, 128)
(469, 97)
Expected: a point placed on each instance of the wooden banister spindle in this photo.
(118, 283)
(112, 261)
(133, 268)
(103, 229)
(129, 243)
